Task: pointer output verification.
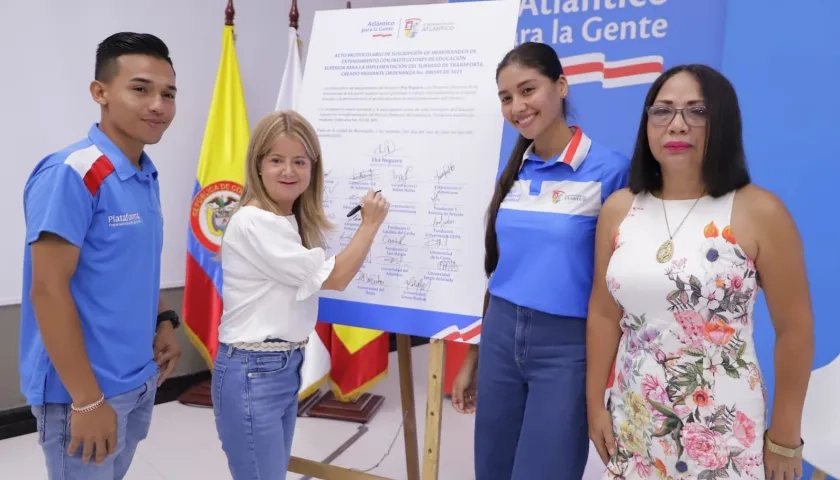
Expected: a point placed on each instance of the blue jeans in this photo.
(134, 416)
(530, 418)
(255, 401)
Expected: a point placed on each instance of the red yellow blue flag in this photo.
(219, 182)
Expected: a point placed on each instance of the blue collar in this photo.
(122, 165)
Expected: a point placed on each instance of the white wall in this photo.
(48, 49)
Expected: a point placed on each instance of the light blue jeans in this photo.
(255, 401)
(134, 416)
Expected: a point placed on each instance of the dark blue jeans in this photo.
(530, 419)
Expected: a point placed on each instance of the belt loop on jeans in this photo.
(228, 350)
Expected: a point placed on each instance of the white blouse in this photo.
(271, 280)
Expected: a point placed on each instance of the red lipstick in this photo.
(677, 146)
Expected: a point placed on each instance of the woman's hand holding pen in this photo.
(349, 261)
(374, 209)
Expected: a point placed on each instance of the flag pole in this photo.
(196, 313)
(229, 13)
(360, 409)
(294, 15)
(317, 361)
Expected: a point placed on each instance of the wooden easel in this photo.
(434, 402)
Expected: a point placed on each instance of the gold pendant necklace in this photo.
(666, 251)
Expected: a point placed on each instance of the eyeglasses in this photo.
(662, 115)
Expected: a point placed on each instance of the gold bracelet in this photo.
(783, 451)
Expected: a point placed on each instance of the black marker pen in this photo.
(356, 209)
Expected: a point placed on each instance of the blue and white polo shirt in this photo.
(92, 195)
(546, 227)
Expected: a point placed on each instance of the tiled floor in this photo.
(183, 445)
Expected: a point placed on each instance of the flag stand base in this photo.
(197, 396)
(318, 405)
(326, 405)
(307, 403)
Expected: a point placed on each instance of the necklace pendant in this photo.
(665, 251)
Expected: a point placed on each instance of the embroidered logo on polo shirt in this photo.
(566, 196)
(560, 195)
(124, 219)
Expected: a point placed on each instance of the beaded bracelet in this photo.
(88, 408)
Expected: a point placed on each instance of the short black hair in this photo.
(126, 43)
(724, 161)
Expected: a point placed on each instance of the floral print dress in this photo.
(687, 400)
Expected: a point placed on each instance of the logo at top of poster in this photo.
(411, 27)
(211, 210)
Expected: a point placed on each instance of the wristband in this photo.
(168, 316)
(88, 408)
(783, 451)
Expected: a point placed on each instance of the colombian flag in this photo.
(220, 179)
(315, 370)
(352, 359)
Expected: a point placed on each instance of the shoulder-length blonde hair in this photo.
(308, 208)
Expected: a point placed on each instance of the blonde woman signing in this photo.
(274, 266)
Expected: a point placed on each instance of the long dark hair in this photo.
(543, 58)
(724, 162)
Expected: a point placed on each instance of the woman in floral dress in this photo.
(682, 251)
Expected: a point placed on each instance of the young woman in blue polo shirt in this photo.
(531, 415)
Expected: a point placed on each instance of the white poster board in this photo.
(404, 100)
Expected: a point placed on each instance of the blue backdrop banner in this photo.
(611, 50)
(786, 80)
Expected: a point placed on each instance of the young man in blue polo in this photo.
(95, 340)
